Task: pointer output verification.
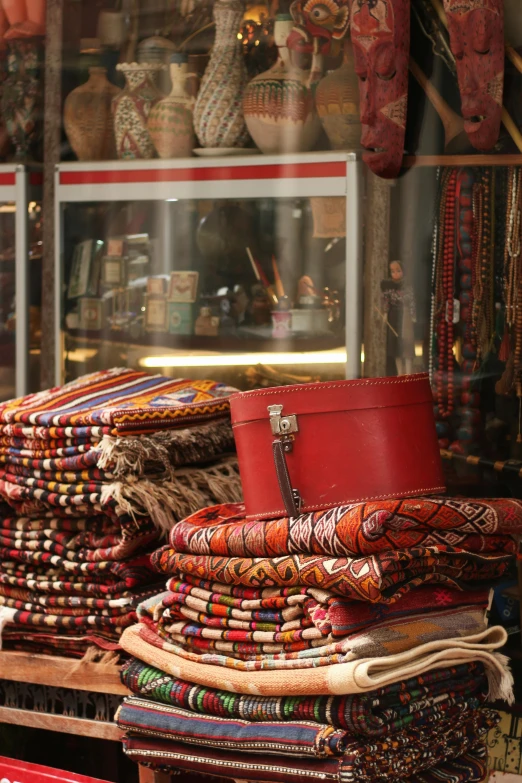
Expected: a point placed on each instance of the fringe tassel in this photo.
(500, 680)
(161, 452)
(168, 501)
(100, 657)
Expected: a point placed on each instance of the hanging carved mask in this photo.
(380, 31)
(476, 29)
(325, 20)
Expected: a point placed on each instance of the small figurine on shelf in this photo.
(260, 306)
(282, 319)
(399, 315)
(207, 325)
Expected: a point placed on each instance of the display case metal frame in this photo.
(305, 175)
(20, 184)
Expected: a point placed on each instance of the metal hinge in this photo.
(283, 427)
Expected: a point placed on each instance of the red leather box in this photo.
(315, 446)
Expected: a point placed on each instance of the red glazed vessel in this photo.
(326, 444)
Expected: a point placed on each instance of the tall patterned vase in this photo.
(87, 117)
(337, 101)
(171, 125)
(218, 114)
(22, 98)
(131, 109)
(279, 103)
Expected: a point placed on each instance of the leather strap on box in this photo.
(291, 497)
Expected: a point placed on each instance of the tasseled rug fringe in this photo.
(500, 681)
(161, 452)
(184, 492)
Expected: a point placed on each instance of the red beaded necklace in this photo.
(445, 370)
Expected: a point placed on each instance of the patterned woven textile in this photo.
(234, 649)
(356, 529)
(320, 608)
(383, 577)
(413, 702)
(356, 676)
(406, 754)
(123, 400)
(168, 756)
(90, 473)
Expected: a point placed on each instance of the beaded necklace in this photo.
(512, 244)
(445, 294)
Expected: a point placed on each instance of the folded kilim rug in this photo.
(356, 529)
(90, 474)
(263, 645)
(382, 577)
(121, 400)
(414, 702)
(403, 753)
(168, 756)
(356, 676)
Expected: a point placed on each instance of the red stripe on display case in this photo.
(327, 169)
(8, 179)
(12, 770)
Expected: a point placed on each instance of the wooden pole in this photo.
(377, 256)
(52, 138)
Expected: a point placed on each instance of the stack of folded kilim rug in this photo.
(349, 644)
(90, 474)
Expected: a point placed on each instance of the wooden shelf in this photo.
(221, 343)
(58, 672)
(61, 723)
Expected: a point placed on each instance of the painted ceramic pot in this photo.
(36, 15)
(88, 120)
(279, 103)
(4, 26)
(131, 109)
(158, 49)
(171, 125)
(111, 29)
(337, 101)
(218, 114)
(15, 10)
(22, 98)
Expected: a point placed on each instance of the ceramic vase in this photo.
(22, 98)
(88, 120)
(218, 114)
(279, 103)
(15, 10)
(131, 109)
(36, 16)
(337, 101)
(4, 26)
(170, 121)
(111, 29)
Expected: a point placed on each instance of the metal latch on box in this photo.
(284, 427)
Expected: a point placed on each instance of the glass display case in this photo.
(232, 269)
(20, 279)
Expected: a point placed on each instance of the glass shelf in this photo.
(170, 265)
